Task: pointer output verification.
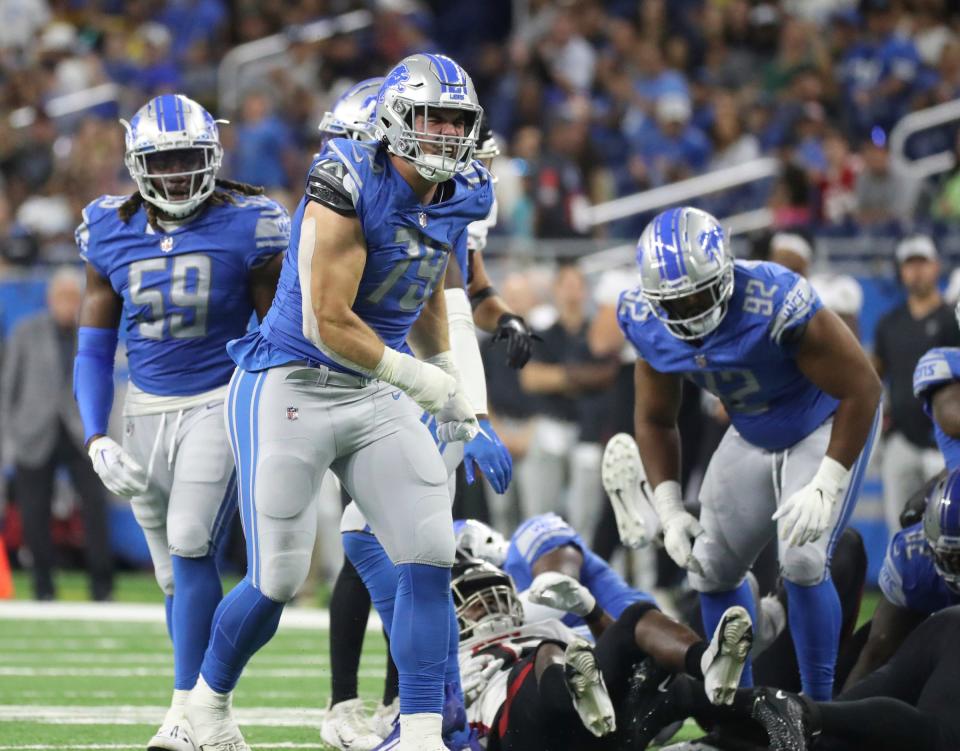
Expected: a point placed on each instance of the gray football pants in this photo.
(288, 425)
(742, 488)
(191, 496)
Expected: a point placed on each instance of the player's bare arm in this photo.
(830, 356)
(263, 284)
(487, 312)
(889, 628)
(946, 409)
(101, 308)
(655, 422)
(338, 258)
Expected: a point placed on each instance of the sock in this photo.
(245, 620)
(693, 658)
(419, 727)
(419, 636)
(451, 675)
(198, 591)
(349, 612)
(377, 571)
(168, 611)
(391, 684)
(815, 616)
(712, 607)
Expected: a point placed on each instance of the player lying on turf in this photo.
(803, 403)
(520, 679)
(181, 265)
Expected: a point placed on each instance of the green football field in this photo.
(83, 676)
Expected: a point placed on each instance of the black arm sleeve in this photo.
(326, 186)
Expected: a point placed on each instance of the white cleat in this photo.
(346, 727)
(726, 655)
(173, 735)
(385, 716)
(588, 689)
(211, 717)
(625, 481)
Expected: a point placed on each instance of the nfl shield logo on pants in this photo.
(293, 413)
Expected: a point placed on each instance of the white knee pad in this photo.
(188, 537)
(285, 527)
(804, 565)
(428, 538)
(721, 570)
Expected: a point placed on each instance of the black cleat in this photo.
(784, 717)
(650, 705)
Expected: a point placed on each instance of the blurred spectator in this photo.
(885, 192)
(793, 251)
(910, 455)
(262, 144)
(564, 375)
(42, 432)
(790, 201)
(569, 57)
(837, 184)
(669, 148)
(731, 146)
(558, 179)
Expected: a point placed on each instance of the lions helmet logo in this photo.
(395, 80)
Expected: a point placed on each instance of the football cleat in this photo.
(723, 661)
(588, 690)
(783, 716)
(346, 727)
(625, 481)
(211, 717)
(651, 709)
(173, 735)
(385, 716)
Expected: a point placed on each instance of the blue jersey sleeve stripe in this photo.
(346, 163)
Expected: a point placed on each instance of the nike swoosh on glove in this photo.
(491, 456)
(120, 473)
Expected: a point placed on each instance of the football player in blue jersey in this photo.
(180, 266)
(367, 567)
(803, 403)
(920, 576)
(936, 382)
(328, 381)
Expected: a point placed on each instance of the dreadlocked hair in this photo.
(221, 196)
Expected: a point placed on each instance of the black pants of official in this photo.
(33, 487)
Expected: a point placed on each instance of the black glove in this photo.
(514, 330)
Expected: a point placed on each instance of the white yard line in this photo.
(146, 715)
(116, 612)
(144, 659)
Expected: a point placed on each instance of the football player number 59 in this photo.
(187, 300)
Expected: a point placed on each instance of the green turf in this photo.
(66, 666)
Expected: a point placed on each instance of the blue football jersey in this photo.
(538, 535)
(185, 292)
(408, 246)
(908, 577)
(938, 367)
(748, 360)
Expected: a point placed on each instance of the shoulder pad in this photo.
(934, 369)
(475, 174)
(97, 211)
(796, 308)
(330, 184)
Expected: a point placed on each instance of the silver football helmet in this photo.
(941, 527)
(686, 271)
(478, 540)
(485, 599)
(352, 114)
(409, 91)
(173, 153)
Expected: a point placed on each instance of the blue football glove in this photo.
(491, 456)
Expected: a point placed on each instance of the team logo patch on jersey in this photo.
(293, 413)
(166, 244)
(700, 360)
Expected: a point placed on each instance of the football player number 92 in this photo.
(189, 290)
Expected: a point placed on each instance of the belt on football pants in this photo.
(321, 375)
